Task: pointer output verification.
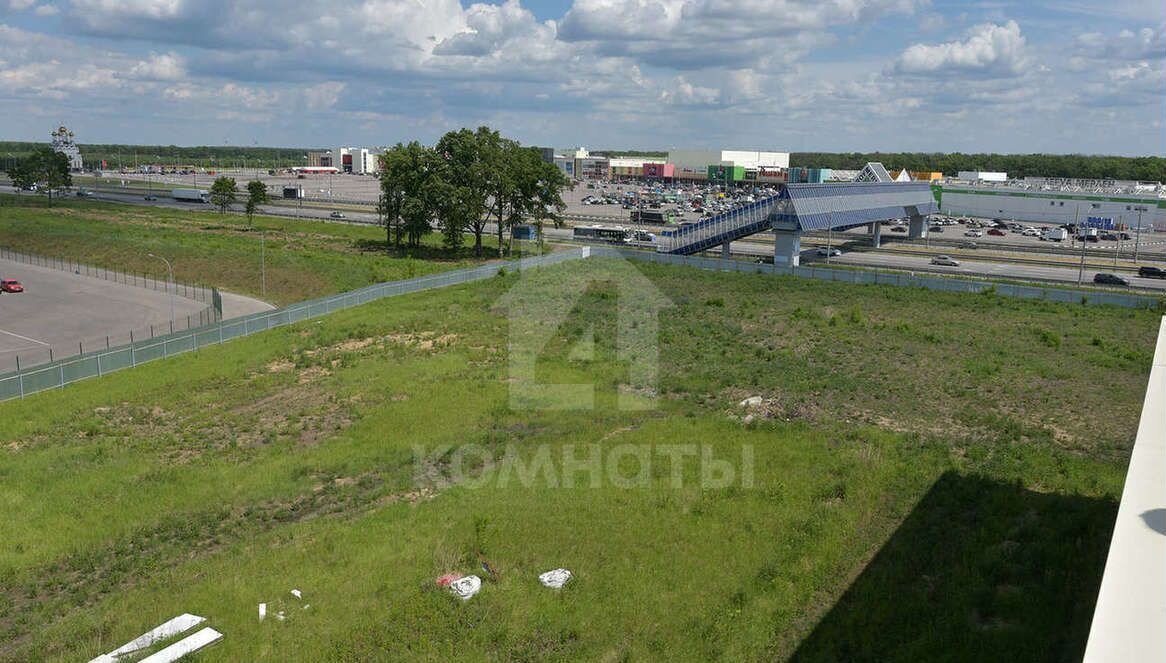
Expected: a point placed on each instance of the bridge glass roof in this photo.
(848, 204)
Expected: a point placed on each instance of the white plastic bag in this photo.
(555, 579)
(466, 587)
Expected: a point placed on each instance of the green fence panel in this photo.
(79, 369)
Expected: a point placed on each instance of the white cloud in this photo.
(1144, 43)
(164, 67)
(989, 48)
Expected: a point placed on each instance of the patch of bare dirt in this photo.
(311, 373)
(280, 366)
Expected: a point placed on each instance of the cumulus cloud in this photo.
(1144, 44)
(988, 48)
(694, 34)
(164, 67)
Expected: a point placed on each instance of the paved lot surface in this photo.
(59, 309)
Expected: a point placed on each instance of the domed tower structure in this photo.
(63, 143)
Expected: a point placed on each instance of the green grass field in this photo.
(927, 476)
(304, 259)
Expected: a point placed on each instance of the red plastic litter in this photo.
(445, 580)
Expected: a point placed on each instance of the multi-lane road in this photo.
(996, 267)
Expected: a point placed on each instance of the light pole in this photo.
(170, 271)
(1138, 232)
(263, 263)
(1081, 236)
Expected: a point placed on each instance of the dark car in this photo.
(996, 231)
(1149, 272)
(1109, 279)
(936, 229)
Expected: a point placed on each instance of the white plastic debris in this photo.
(752, 401)
(262, 611)
(466, 587)
(187, 645)
(297, 593)
(165, 631)
(555, 579)
(280, 616)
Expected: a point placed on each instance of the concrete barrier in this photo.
(1129, 620)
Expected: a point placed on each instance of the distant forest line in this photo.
(1147, 169)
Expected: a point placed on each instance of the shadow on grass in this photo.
(423, 252)
(979, 571)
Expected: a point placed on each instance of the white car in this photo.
(974, 233)
(946, 261)
(1031, 232)
(831, 252)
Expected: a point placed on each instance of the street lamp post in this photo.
(1080, 236)
(1138, 232)
(170, 289)
(263, 263)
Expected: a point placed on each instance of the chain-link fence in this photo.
(199, 293)
(62, 372)
(45, 354)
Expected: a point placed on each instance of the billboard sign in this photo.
(1099, 222)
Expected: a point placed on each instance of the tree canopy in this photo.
(1147, 169)
(256, 196)
(45, 168)
(223, 193)
(467, 179)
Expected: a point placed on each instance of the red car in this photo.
(996, 231)
(10, 285)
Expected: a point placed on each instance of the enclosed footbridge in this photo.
(808, 207)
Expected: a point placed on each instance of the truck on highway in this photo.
(1055, 235)
(191, 195)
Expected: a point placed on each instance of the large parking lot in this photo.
(61, 309)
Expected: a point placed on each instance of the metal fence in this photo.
(938, 283)
(62, 372)
(199, 293)
(48, 354)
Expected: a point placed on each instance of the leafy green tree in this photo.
(466, 156)
(256, 196)
(22, 175)
(44, 167)
(534, 189)
(223, 193)
(410, 189)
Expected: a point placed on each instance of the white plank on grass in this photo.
(187, 645)
(165, 631)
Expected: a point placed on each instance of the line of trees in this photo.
(469, 179)
(1146, 169)
(203, 156)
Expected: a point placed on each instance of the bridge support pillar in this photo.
(787, 248)
(917, 227)
(725, 251)
(876, 231)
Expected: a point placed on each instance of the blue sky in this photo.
(795, 75)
